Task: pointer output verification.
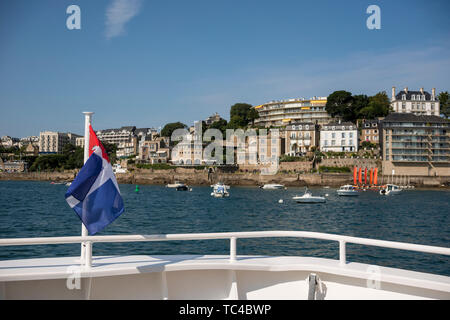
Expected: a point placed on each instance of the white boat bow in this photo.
(215, 276)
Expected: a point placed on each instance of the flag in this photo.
(94, 194)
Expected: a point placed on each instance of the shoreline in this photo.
(194, 177)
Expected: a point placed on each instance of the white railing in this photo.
(232, 236)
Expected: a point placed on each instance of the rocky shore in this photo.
(237, 178)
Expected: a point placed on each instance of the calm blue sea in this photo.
(36, 209)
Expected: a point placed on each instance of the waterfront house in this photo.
(369, 131)
(301, 137)
(339, 137)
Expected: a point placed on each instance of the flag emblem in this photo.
(94, 194)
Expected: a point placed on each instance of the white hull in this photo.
(347, 193)
(309, 200)
(220, 194)
(212, 277)
(272, 186)
(175, 185)
(215, 276)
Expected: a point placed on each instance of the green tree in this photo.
(220, 125)
(111, 150)
(340, 103)
(359, 103)
(444, 102)
(379, 106)
(241, 114)
(171, 127)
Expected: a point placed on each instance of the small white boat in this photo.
(227, 187)
(220, 191)
(347, 190)
(390, 189)
(68, 184)
(272, 186)
(177, 184)
(309, 198)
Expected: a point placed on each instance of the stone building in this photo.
(369, 131)
(301, 137)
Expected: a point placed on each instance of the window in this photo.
(350, 135)
(325, 142)
(342, 142)
(343, 135)
(307, 127)
(333, 142)
(413, 97)
(403, 96)
(292, 135)
(333, 135)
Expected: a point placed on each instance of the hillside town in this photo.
(408, 135)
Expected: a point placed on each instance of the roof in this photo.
(410, 117)
(410, 93)
(336, 124)
(303, 124)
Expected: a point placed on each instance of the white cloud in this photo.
(118, 13)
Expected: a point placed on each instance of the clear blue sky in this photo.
(147, 63)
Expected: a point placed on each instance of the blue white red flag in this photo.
(94, 194)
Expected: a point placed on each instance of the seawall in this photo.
(237, 178)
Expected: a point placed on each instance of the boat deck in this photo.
(212, 277)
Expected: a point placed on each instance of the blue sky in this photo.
(147, 63)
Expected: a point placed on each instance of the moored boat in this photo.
(220, 191)
(307, 197)
(175, 185)
(390, 189)
(227, 187)
(347, 190)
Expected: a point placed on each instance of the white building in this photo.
(126, 139)
(283, 112)
(339, 137)
(54, 142)
(33, 140)
(417, 102)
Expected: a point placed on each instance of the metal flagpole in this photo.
(86, 249)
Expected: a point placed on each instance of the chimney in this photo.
(433, 94)
(393, 93)
(406, 90)
(421, 90)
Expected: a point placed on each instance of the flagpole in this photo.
(86, 247)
